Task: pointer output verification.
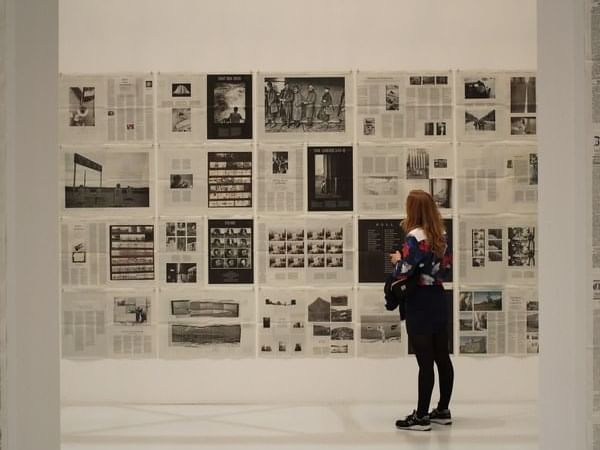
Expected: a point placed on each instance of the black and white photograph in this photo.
(229, 179)
(465, 322)
(206, 335)
(380, 185)
(78, 253)
(341, 314)
(181, 273)
(280, 162)
(230, 251)
(369, 126)
(465, 302)
(473, 344)
(521, 126)
(376, 237)
(319, 310)
(434, 129)
(131, 252)
(229, 106)
(480, 88)
(480, 321)
(181, 89)
(478, 261)
(286, 248)
(494, 256)
(340, 333)
(339, 349)
(441, 191)
(131, 310)
(440, 163)
(533, 169)
(523, 95)
(521, 246)
(304, 104)
(82, 112)
(533, 343)
(330, 179)
(532, 322)
(181, 236)
(392, 97)
(181, 181)
(107, 180)
(487, 301)
(480, 121)
(181, 120)
(417, 164)
(494, 234)
(205, 308)
(380, 328)
(321, 330)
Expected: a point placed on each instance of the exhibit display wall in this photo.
(432, 99)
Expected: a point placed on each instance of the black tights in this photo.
(429, 348)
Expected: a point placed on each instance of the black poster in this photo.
(375, 239)
(229, 179)
(230, 256)
(131, 252)
(329, 178)
(229, 102)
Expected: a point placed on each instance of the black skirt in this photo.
(426, 311)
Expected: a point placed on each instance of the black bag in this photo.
(402, 289)
(397, 291)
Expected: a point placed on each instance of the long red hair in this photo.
(422, 212)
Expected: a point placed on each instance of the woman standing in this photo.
(425, 255)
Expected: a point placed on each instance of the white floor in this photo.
(331, 426)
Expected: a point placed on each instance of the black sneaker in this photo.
(412, 422)
(441, 416)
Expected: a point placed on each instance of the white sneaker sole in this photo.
(415, 428)
(442, 421)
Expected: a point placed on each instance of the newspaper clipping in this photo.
(84, 251)
(311, 322)
(496, 320)
(181, 106)
(296, 252)
(397, 105)
(381, 332)
(210, 323)
(499, 249)
(108, 323)
(182, 180)
(106, 108)
(497, 178)
(280, 178)
(496, 105)
(386, 174)
(180, 256)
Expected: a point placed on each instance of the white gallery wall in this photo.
(204, 36)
